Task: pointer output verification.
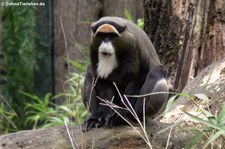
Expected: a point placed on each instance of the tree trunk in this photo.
(210, 81)
(44, 74)
(2, 70)
(1, 62)
(0, 29)
(188, 35)
(118, 8)
(72, 18)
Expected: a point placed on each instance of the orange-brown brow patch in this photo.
(107, 28)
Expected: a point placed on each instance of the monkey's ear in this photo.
(94, 27)
(119, 27)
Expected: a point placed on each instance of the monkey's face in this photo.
(111, 45)
(104, 38)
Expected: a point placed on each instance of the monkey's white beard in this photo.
(107, 63)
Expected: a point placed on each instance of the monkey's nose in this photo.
(106, 54)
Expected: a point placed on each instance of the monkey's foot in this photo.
(92, 122)
(114, 118)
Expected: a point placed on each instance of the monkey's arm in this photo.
(89, 92)
(90, 100)
(92, 93)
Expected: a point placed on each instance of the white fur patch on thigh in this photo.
(107, 59)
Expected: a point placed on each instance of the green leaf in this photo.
(173, 125)
(194, 140)
(213, 138)
(57, 120)
(203, 97)
(65, 108)
(128, 15)
(204, 122)
(140, 23)
(30, 95)
(221, 116)
(79, 65)
(207, 113)
(210, 116)
(185, 95)
(145, 95)
(212, 119)
(170, 103)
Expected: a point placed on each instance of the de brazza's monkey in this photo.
(122, 56)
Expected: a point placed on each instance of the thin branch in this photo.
(111, 105)
(132, 111)
(71, 140)
(168, 140)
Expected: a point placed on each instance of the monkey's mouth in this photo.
(105, 54)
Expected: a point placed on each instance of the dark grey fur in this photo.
(139, 72)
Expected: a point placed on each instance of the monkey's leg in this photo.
(115, 117)
(155, 82)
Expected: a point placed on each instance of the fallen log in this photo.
(102, 138)
(177, 125)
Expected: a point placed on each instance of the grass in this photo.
(43, 113)
(211, 132)
(208, 129)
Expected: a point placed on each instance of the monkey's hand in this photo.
(92, 122)
(116, 118)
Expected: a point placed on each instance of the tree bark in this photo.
(210, 81)
(118, 8)
(2, 70)
(0, 29)
(44, 73)
(1, 62)
(121, 137)
(188, 35)
(72, 18)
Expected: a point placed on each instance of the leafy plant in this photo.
(42, 113)
(139, 22)
(19, 60)
(212, 129)
(212, 126)
(38, 111)
(6, 118)
(25, 110)
(74, 97)
(128, 15)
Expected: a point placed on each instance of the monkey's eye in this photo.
(109, 36)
